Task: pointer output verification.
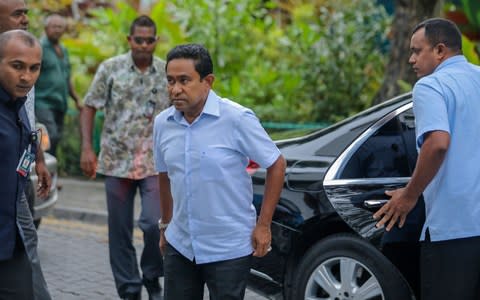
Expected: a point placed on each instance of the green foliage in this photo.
(238, 36)
(68, 152)
(339, 60)
(472, 10)
(469, 49)
(89, 43)
(98, 38)
(288, 134)
(323, 66)
(320, 64)
(404, 86)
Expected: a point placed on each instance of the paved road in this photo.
(73, 244)
(74, 257)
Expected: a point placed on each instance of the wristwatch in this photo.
(161, 225)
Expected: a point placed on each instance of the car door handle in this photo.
(372, 204)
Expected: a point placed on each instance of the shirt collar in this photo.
(132, 66)
(45, 41)
(450, 61)
(211, 107)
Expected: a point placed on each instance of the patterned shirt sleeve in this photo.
(98, 92)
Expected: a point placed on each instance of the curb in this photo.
(80, 214)
(71, 207)
(75, 212)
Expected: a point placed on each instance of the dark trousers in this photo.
(52, 119)
(406, 257)
(123, 259)
(30, 240)
(184, 279)
(450, 269)
(16, 276)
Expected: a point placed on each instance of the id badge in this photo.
(25, 163)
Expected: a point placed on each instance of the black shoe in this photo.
(134, 296)
(155, 296)
(154, 288)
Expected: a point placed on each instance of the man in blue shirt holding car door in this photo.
(446, 103)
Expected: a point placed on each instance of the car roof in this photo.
(331, 141)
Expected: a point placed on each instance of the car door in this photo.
(382, 158)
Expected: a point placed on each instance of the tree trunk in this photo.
(408, 13)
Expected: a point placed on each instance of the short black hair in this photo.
(196, 52)
(143, 21)
(26, 37)
(438, 30)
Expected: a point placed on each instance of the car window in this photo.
(388, 152)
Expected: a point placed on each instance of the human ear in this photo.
(440, 49)
(209, 79)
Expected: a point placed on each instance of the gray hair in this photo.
(51, 16)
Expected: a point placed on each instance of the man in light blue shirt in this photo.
(447, 110)
(202, 146)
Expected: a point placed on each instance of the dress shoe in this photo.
(154, 288)
(134, 296)
(155, 296)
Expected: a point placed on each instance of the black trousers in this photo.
(406, 257)
(54, 120)
(184, 279)
(16, 276)
(450, 269)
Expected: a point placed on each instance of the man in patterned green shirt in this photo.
(131, 89)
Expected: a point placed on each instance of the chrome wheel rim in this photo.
(343, 278)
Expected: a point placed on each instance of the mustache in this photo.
(24, 86)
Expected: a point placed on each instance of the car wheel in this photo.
(343, 267)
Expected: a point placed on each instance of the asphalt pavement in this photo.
(73, 244)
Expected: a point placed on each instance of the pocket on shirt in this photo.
(211, 163)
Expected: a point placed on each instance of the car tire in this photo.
(368, 274)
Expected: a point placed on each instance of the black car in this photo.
(325, 244)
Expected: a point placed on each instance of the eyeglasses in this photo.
(140, 40)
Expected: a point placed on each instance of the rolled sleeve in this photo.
(254, 141)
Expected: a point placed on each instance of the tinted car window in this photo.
(389, 152)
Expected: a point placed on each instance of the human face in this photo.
(143, 50)
(55, 28)
(19, 67)
(425, 57)
(187, 92)
(13, 15)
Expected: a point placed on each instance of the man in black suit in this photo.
(20, 60)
